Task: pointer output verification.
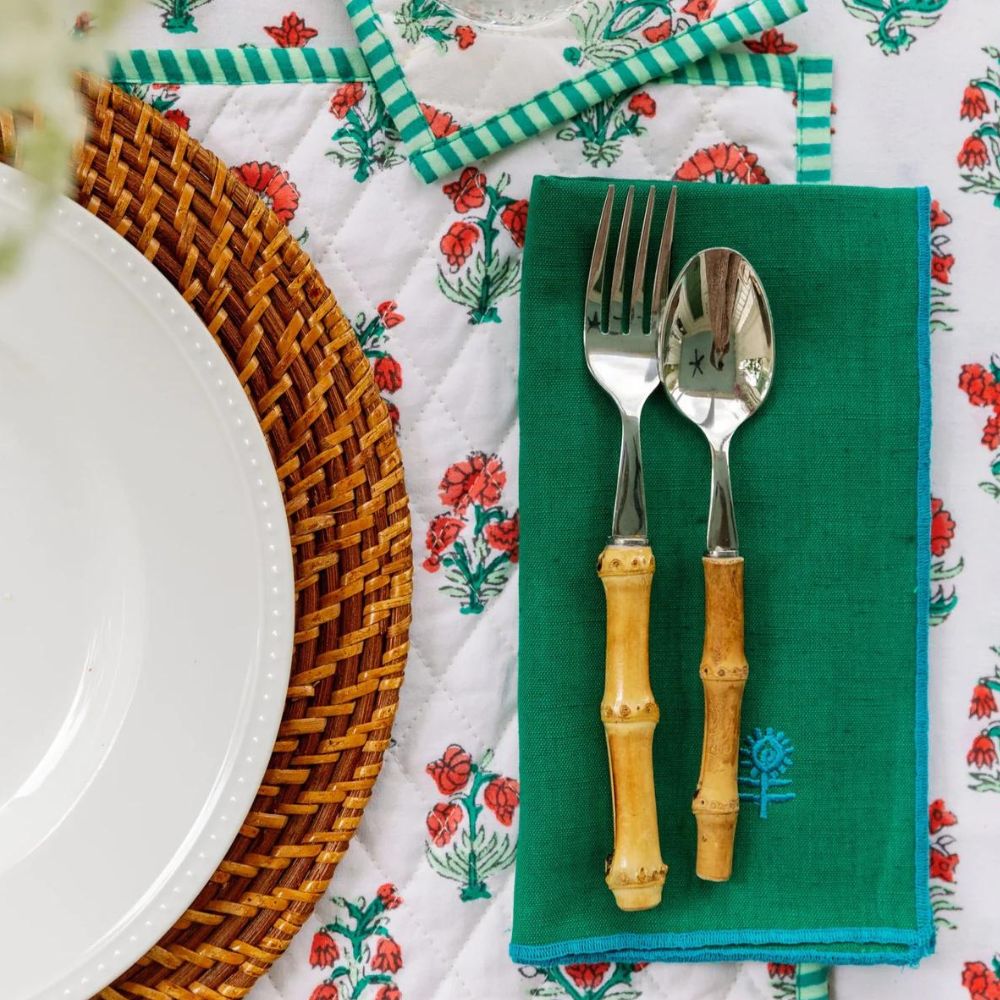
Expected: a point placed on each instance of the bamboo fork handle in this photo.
(723, 674)
(636, 871)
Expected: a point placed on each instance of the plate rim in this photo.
(249, 753)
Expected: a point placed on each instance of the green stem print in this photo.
(603, 127)
(367, 141)
(895, 19)
(943, 864)
(984, 754)
(462, 846)
(584, 981)
(418, 19)
(607, 32)
(943, 598)
(479, 272)
(982, 386)
(357, 949)
(476, 568)
(178, 15)
(372, 336)
(980, 153)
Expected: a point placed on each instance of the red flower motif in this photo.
(503, 795)
(393, 415)
(325, 991)
(293, 33)
(441, 532)
(725, 161)
(178, 117)
(388, 315)
(642, 104)
(983, 702)
(387, 893)
(469, 191)
(388, 956)
(465, 36)
(457, 243)
(974, 103)
(701, 9)
(478, 479)
(639, 966)
(273, 185)
(943, 865)
(504, 536)
(980, 981)
(980, 385)
(442, 822)
(324, 951)
(388, 374)
(451, 770)
(772, 42)
(84, 23)
(942, 528)
(345, 98)
(777, 970)
(658, 32)
(939, 816)
(441, 123)
(941, 267)
(983, 753)
(389, 992)
(587, 977)
(991, 432)
(515, 220)
(939, 217)
(973, 153)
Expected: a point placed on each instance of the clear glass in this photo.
(510, 13)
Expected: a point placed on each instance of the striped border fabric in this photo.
(815, 96)
(238, 65)
(434, 158)
(809, 76)
(812, 982)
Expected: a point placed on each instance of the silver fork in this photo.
(621, 355)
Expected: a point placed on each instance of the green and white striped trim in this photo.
(812, 982)
(433, 158)
(815, 94)
(238, 65)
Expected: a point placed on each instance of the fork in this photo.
(621, 356)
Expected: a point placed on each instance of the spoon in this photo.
(716, 357)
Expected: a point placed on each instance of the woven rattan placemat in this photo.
(341, 475)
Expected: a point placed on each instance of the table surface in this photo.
(916, 102)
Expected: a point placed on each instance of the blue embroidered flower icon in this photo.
(766, 756)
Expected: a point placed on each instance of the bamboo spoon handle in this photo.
(636, 871)
(723, 674)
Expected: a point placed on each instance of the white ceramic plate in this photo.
(146, 606)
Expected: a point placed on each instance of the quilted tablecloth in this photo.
(425, 256)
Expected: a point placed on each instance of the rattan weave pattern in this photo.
(341, 475)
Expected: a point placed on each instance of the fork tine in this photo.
(616, 318)
(595, 280)
(660, 286)
(639, 278)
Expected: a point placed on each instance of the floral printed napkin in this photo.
(458, 93)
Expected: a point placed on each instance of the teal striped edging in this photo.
(434, 157)
(812, 982)
(813, 147)
(238, 65)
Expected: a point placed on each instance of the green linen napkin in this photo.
(831, 490)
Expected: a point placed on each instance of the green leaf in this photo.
(991, 489)
(940, 572)
(862, 13)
